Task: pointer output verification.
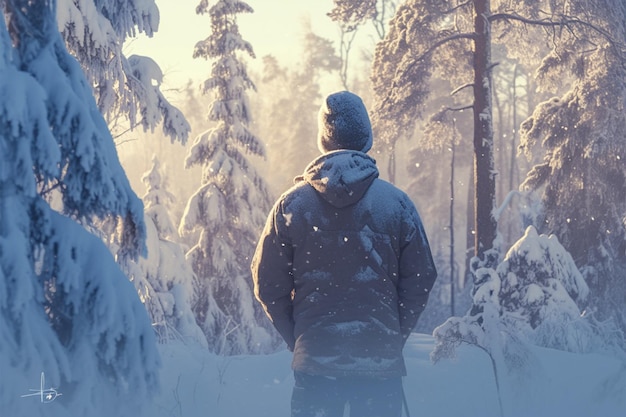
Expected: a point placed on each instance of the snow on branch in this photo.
(564, 21)
(144, 77)
(94, 32)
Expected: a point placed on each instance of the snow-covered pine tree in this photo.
(454, 40)
(157, 201)
(582, 180)
(164, 279)
(66, 309)
(227, 212)
(95, 32)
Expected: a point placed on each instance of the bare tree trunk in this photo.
(452, 270)
(485, 223)
(470, 233)
(499, 133)
(513, 168)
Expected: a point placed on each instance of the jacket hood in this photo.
(341, 177)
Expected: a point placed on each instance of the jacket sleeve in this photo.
(417, 276)
(272, 275)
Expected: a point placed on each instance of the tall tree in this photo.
(454, 39)
(66, 309)
(426, 37)
(227, 212)
(582, 179)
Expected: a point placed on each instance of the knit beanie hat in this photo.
(343, 123)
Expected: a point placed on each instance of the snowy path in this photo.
(198, 384)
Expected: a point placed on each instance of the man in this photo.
(343, 269)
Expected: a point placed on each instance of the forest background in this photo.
(433, 160)
(504, 121)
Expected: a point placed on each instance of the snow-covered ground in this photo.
(195, 383)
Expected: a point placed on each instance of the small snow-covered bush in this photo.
(543, 292)
(537, 294)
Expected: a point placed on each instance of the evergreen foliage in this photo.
(164, 279)
(66, 309)
(582, 179)
(228, 211)
(581, 130)
(125, 87)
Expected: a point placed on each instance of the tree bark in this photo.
(484, 175)
(452, 261)
(470, 232)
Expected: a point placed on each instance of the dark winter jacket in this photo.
(343, 269)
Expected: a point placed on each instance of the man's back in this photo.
(348, 230)
(343, 269)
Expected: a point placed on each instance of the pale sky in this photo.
(274, 28)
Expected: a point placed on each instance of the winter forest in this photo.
(131, 205)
